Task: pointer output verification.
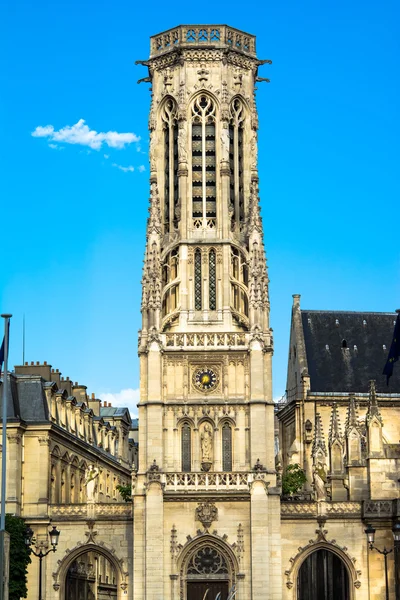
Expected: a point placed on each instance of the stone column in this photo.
(154, 543)
(260, 541)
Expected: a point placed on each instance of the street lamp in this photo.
(370, 533)
(29, 540)
(396, 538)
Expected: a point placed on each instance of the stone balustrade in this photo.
(177, 482)
(379, 509)
(205, 340)
(90, 510)
(189, 36)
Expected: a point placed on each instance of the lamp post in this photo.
(29, 540)
(396, 537)
(370, 533)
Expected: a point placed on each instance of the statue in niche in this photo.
(320, 480)
(91, 475)
(182, 149)
(225, 142)
(254, 151)
(153, 146)
(207, 444)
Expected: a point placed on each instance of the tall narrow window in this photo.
(236, 208)
(226, 447)
(212, 284)
(186, 448)
(204, 163)
(197, 280)
(170, 164)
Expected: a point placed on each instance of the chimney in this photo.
(43, 370)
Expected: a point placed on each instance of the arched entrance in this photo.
(208, 567)
(207, 573)
(323, 576)
(91, 576)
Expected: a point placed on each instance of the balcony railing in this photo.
(176, 482)
(188, 36)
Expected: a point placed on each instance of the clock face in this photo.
(205, 379)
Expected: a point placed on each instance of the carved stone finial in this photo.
(352, 417)
(335, 430)
(319, 445)
(373, 408)
(258, 466)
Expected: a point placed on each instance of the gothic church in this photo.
(207, 515)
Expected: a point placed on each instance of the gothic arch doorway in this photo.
(91, 572)
(323, 575)
(207, 570)
(91, 576)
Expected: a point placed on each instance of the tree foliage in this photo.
(126, 492)
(19, 557)
(293, 479)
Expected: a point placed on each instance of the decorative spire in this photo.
(334, 431)
(352, 416)
(373, 408)
(319, 440)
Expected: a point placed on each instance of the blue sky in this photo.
(73, 221)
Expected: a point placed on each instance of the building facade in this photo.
(66, 455)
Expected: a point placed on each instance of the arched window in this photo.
(226, 447)
(171, 195)
(204, 163)
(197, 280)
(212, 280)
(186, 443)
(236, 209)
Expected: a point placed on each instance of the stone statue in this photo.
(320, 480)
(254, 151)
(182, 150)
(91, 475)
(225, 142)
(153, 146)
(206, 443)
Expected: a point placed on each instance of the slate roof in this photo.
(26, 400)
(333, 368)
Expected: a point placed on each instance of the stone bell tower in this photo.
(206, 504)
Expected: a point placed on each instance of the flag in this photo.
(2, 348)
(394, 352)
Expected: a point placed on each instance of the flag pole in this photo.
(6, 318)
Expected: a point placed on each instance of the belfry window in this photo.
(236, 201)
(170, 272)
(212, 283)
(197, 280)
(239, 281)
(226, 447)
(204, 163)
(171, 197)
(186, 440)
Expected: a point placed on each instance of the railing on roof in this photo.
(187, 36)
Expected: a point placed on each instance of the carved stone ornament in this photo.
(206, 513)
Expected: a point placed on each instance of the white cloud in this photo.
(82, 135)
(106, 156)
(126, 398)
(129, 169)
(142, 168)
